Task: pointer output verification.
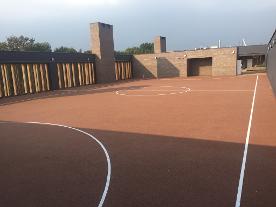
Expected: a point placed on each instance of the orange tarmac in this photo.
(172, 142)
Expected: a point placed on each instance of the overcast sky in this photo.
(186, 23)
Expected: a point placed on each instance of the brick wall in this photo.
(102, 45)
(144, 66)
(159, 44)
(174, 64)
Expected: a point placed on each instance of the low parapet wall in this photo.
(34, 72)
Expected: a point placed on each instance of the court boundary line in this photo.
(174, 91)
(190, 90)
(171, 92)
(223, 90)
(108, 176)
(241, 179)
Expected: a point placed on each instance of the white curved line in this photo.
(107, 184)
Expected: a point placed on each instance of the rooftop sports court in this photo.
(152, 130)
(198, 141)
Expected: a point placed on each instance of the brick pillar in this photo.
(159, 44)
(102, 45)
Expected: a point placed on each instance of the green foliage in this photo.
(3, 46)
(147, 48)
(133, 50)
(40, 47)
(22, 43)
(144, 48)
(66, 49)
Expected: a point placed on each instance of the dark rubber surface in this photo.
(49, 166)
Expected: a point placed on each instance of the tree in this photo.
(133, 50)
(147, 48)
(22, 43)
(19, 43)
(144, 48)
(66, 49)
(40, 47)
(3, 46)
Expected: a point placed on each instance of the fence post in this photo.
(53, 75)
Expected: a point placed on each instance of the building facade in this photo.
(204, 62)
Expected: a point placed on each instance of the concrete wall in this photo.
(174, 64)
(271, 62)
(102, 45)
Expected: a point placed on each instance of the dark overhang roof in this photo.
(252, 50)
(44, 57)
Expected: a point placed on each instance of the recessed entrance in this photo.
(199, 67)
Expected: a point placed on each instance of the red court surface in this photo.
(169, 142)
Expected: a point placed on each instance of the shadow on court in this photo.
(54, 166)
(78, 91)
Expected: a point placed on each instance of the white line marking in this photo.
(239, 194)
(169, 92)
(101, 145)
(222, 90)
(191, 79)
(157, 90)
